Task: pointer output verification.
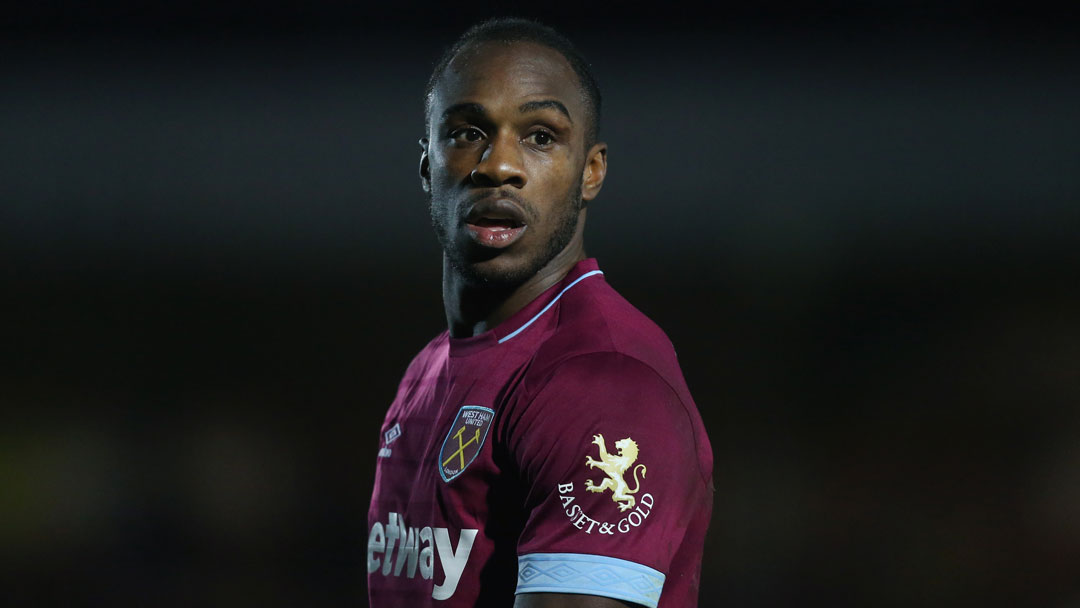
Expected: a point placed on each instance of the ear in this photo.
(592, 178)
(425, 167)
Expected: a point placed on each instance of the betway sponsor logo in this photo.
(416, 550)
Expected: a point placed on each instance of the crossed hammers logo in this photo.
(460, 453)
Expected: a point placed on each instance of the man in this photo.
(545, 450)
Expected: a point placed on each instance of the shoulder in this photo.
(428, 361)
(596, 324)
(605, 365)
(607, 393)
(609, 388)
(602, 376)
(435, 350)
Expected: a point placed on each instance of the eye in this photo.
(466, 134)
(540, 138)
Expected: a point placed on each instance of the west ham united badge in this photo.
(464, 440)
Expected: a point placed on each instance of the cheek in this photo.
(556, 173)
(462, 163)
(558, 183)
(444, 166)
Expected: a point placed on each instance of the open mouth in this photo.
(492, 232)
(495, 223)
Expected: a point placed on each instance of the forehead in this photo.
(494, 72)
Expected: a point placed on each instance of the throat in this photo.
(471, 309)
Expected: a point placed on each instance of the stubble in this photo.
(467, 263)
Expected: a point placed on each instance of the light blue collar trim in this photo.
(550, 304)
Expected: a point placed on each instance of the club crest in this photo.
(464, 440)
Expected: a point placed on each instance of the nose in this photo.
(501, 164)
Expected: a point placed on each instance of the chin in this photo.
(498, 271)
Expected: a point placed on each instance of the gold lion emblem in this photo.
(615, 466)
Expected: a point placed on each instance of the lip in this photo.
(495, 222)
(496, 238)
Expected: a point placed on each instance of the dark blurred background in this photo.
(857, 222)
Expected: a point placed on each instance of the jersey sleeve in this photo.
(611, 474)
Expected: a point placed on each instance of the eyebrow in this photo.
(532, 106)
(464, 108)
(528, 106)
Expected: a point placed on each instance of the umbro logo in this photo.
(392, 434)
(388, 437)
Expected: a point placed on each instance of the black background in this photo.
(856, 221)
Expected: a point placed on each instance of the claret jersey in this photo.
(558, 452)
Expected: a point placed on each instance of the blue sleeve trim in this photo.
(590, 575)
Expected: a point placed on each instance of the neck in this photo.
(472, 309)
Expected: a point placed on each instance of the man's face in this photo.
(504, 160)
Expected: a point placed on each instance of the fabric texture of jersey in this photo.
(558, 452)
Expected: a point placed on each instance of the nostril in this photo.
(480, 178)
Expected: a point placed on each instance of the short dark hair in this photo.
(516, 29)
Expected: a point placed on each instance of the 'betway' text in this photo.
(416, 551)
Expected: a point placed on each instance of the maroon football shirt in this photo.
(558, 452)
